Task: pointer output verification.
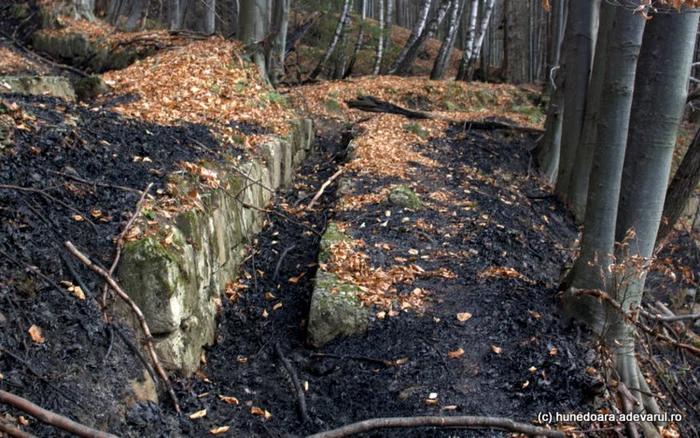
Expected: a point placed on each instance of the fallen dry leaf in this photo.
(218, 430)
(464, 316)
(496, 350)
(228, 399)
(35, 333)
(456, 353)
(198, 414)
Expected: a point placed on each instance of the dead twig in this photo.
(301, 398)
(51, 418)
(279, 262)
(628, 403)
(386, 363)
(465, 422)
(144, 326)
(603, 295)
(323, 187)
(95, 183)
(120, 240)
(14, 432)
(58, 201)
(33, 269)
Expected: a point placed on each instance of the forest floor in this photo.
(463, 292)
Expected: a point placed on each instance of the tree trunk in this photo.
(359, 41)
(581, 26)
(417, 30)
(80, 10)
(176, 8)
(443, 59)
(134, 15)
(580, 172)
(516, 48)
(549, 146)
(682, 186)
(209, 17)
(380, 42)
(341, 60)
(469, 37)
(556, 29)
(597, 244)
(660, 91)
(401, 13)
(334, 42)
(479, 41)
(278, 36)
(405, 65)
(253, 28)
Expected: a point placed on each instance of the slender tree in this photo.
(360, 39)
(469, 37)
(253, 25)
(466, 70)
(341, 60)
(380, 41)
(347, 4)
(404, 66)
(580, 33)
(209, 17)
(443, 58)
(580, 172)
(418, 27)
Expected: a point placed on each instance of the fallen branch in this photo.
(604, 295)
(95, 183)
(386, 363)
(120, 241)
(628, 404)
(139, 315)
(14, 432)
(323, 187)
(467, 422)
(301, 398)
(373, 105)
(51, 418)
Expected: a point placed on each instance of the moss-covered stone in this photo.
(331, 236)
(404, 197)
(90, 87)
(336, 310)
(37, 86)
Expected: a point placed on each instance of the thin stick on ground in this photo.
(58, 201)
(14, 432)
(52, 418)
(144, 326)
(467, 422)
(120, 240)
(386, 363)
(301, 398)
(323, 187)
(95, 183)
(604, 295)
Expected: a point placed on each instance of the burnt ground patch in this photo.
(491, 213)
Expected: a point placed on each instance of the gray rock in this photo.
(404, 197)
(37, 85)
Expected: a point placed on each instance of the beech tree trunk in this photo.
(341, 60)
(209, 17)
(81, 10)
(404, 67)
(443, 59)
(580, 172)
(469, 37)
(334, 42)
(176, 9)
(253, 26)
(660, 91)
(418, 27)
(556, 30)
(580, 33)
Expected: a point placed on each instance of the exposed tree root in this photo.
(466, 422)
(51, 418)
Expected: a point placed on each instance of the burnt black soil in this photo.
(83, 368)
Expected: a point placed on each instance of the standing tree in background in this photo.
(209, 17)
(253, 27)
(347, 4)
(380, 41)
(579, 37)
(404, 66)
(360, 39)
(443, 57)
(418, 27)
(467, 66)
